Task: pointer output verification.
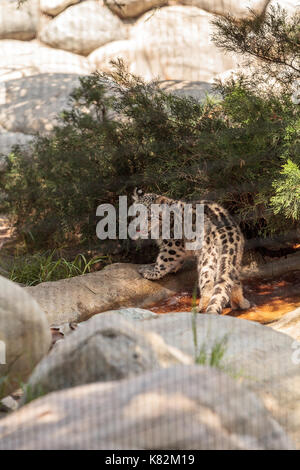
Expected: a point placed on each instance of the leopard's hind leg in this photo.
(207, 266)
(227, 285)
(237, 299)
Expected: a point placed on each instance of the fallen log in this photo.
(272, 268)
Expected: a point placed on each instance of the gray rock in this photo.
(133, 8)
(135, 313)
(289, 324)
(182, 407)
(19, 59)
(291, 6)
(32, 104)
(239, 9)
(19, 23)
(263, 359)
(54, 7)
(116, 286)
(197, 90)
(175, 44)
(172, 44)
(8, 404)
(82, 28)
(104, 348)
(8, 140)
(24, 336)
(120, 285)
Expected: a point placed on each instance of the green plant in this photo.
(41, 267)
(203, 355)
(121, 132)
(229, 151)
(286, 199)
(4, 382)
(32, 393)
(270, 42)
(215, 356)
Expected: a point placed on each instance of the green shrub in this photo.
(41, 267)
(269, 42)
(122, 132)
(229, 151)
(287, 192)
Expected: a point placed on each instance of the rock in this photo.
(19, 22)
(179, 408)
(291, 6)
(8, 404)
(59, 332)
(54, 7)
(176, 43)
(133, 8)
(197, 90)
(104, 348)
(82, 28)
(239, 9)
(24, 336)
(137, 63)
(135, 313)
(289, 324)
(156, 47)
(126, 49)
(34, 103)
(272, 269)
(118, 285)
(19, 59)
(296, 92)
(8, 140)
(261, 358)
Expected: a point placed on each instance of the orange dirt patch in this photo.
(270, 299)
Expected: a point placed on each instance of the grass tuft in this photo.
(42, 267)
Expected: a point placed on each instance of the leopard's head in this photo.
(146, 199)
(140, 197)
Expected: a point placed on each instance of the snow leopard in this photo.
(218, 260)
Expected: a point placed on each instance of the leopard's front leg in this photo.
(170, 259)
(151, 271)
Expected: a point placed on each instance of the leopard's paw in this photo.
(149, 272)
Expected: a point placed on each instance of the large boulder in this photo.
(138, 64)
(24, 336)
(118, 285)
(239, 9)
(289, 324)
(104, 348)
(19, 22)
(197, 90)
(176, 43)
(19, 59)
(54, 7)
(32, 104)
(82, 28)
(8, 140)
(261, 358)
(133, 8)
(182, 407)
(291, 6)
(126, 49)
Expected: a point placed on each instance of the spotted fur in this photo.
(218, 261)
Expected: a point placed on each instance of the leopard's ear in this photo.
(137, 193)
